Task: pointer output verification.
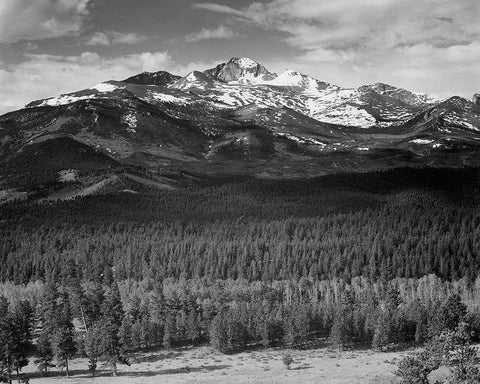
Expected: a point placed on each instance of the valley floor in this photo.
(205, 365)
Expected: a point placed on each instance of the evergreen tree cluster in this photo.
(407, 238)
(108, 321)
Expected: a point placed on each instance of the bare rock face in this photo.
(476, 98)
(239, 69)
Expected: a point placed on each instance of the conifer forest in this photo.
(382, 259)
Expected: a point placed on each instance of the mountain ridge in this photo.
(239, 118)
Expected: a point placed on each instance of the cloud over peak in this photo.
(112, 38)
(221, 32)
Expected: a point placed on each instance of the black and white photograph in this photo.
(240, 191)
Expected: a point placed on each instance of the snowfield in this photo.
(105, 87)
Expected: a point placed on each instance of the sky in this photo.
(49, 47)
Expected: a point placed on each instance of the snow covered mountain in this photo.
(241, 70)
(239, 118)
(242, 81)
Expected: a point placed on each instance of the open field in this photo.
(205, 365)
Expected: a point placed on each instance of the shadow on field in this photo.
(203, 368)
(301, 367)
(156, 357)
(57, 373)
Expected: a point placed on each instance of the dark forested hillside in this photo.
(402, 223)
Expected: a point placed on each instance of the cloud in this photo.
(221, 32)
(41, 75)
(376, 24)
(217, 8)
(98, 38)
(112, 38)
(373, 24)
(38, 19)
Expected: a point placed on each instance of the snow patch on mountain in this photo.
(347, 115)
(228, 98)
(130, 119)
(105, 87)
(422, 141)
(301, 140)
(288, 78)
(166, 98)
(63, 100)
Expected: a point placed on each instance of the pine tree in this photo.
(44, 353)
(192, 327)
(63, 338)
(462, 357)
(127, 334)
(453, 311)
(15, 338)
(296, 325)
(381, 335)
(22, 317)
(94, 346)
(417, 368)
(168, 330)
(219, 332)
(341, 333)
(6, 342)
(111, 323)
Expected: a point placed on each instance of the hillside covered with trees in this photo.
(379, 259)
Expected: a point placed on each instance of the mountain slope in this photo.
(160, 78)
(239, 118)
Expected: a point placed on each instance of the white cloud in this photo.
(221, 32)
(98, 38)
(217, 8)
(112, 37)
(372, 24)
(38, 19)
(42, 76)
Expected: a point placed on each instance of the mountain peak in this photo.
(194, 79)
(160, 78)
(401, 94)
(242, 69)
(243, 62)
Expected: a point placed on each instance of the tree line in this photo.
(108, 321)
